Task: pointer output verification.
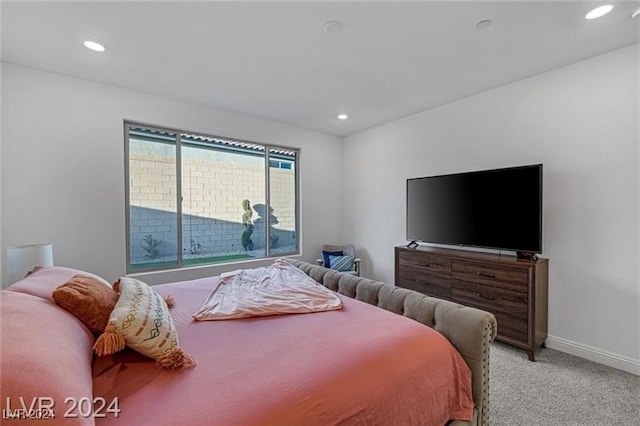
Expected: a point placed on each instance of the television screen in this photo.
(498, 209)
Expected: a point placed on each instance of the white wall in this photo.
(62, 179)
(63, 167)
(581, 122)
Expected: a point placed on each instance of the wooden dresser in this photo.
(514, 291)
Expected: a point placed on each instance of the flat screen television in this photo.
(498, 209)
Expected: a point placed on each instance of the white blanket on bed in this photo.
(278, 289)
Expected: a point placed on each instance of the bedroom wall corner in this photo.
(582, 122)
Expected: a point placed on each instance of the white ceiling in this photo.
(274, 60)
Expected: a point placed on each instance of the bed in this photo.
(357, 365)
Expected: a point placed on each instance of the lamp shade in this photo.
(22, 259)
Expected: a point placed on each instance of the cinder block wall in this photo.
(213, 189)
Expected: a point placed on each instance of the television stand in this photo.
(515, 292)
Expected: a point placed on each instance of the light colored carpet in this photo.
(559, 389)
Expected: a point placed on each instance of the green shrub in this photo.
(151, 246)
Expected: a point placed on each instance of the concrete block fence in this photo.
(212, 195)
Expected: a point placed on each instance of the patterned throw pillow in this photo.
(327, 254)
(141, 321)
(341, 263)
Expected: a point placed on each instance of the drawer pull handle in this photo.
(484, 296)
(486, 275)
(432, 265)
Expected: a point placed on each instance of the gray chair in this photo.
(347, 249)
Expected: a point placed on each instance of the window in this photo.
(195, 199)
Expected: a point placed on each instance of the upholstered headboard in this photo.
(470, 330)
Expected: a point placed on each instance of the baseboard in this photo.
(593, 354)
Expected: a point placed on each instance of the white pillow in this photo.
(141, 320)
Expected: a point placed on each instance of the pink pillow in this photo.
(43, 280)
(46, 352)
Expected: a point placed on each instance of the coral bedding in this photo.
(358, 365)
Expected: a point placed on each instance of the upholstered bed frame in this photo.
(470, 330)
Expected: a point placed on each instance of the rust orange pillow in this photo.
(88, 299)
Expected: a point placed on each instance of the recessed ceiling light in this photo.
(343, 117)
(94, 46)
(333, 27)
(483, 24)
(635, 13)
(599, 11)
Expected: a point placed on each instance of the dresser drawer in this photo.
(425, 262)
(431, 286)
(511, 325)
(425, 273)
(510, 278)
(512, 329)
(425, 276)
(492, 299)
